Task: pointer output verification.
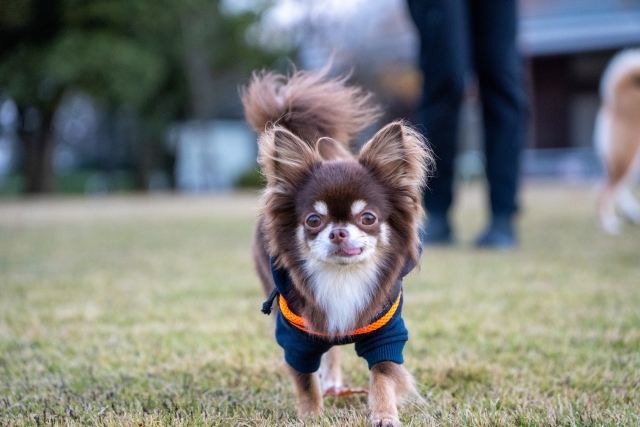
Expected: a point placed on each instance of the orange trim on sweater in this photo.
(300, 323)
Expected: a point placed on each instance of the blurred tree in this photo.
(167, 59)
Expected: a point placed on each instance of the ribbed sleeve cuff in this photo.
(302, 365)
(391, 352)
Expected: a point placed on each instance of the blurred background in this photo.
(103, 96)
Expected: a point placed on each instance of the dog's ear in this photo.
(400, 157)
(286, 159)
(330, 149)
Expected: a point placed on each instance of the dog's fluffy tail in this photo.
(310, 104)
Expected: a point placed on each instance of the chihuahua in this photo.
(336, 233)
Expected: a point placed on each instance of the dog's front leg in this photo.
(388, 382)
(309, 394)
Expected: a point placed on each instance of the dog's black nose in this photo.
(338, 235)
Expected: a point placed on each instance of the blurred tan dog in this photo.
(617, 138)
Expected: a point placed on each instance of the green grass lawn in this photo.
(144, 311)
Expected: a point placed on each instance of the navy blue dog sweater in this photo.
(303, 350)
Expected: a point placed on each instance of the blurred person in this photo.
(458, 36)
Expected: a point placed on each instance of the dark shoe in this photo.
(499, 235)
(437, 231)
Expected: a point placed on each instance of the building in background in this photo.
(569, 43)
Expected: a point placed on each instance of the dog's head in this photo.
(323, 206)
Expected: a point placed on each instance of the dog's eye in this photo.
(368, 218)
(314, 221)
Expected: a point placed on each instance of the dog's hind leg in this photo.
(607, 209)
(330, 370)
(389, 381)
(615, 169)
(629, 206)
(309, 394)
(616, 192)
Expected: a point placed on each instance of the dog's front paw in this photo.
(385, 420)
(309, 409)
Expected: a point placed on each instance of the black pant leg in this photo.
(501, 78)
(442, 25)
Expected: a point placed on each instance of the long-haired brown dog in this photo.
(336, 233)
(617, 138)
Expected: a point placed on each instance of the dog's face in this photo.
(342, 213)
(323, 205)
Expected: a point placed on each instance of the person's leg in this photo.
(501, 79)
(442, 27)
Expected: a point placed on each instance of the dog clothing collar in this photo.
(300, 323)
(282, 282)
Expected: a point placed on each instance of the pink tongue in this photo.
(353, 251)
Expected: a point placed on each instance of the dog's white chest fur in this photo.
(343, 291)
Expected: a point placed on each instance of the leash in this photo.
(266, 306)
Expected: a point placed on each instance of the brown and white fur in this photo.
(342, 226)
(617, 138)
